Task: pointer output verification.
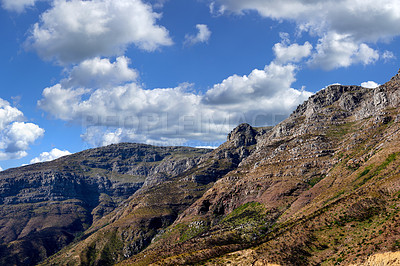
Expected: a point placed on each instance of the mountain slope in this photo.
(135, 224)
(44, 206)
(322, 187)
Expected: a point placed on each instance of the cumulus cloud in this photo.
(344, 27)
(173, 116)
(368, 20)
(335, 50)
(1, 169)
(62, 100)
(259, 84)
(97, 72)
(102, 136)
(72, 31)
(16, 138)
(8, 114)
(15, 135)
(49, 156)
(291, 53)
(202, 36)
(370, 84)
(17, 5)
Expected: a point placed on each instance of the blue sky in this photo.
(80, 74)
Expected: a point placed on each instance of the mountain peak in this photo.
(298, 193)
(243, 135)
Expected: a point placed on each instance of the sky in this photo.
(81, 74)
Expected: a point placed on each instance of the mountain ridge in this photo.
(70, 193)
(315, 129)
(320, 188)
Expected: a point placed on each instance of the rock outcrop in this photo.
(243, 135)
(321, 187)
(45, 206)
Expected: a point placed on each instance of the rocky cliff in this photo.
(144, 217)
(44, 206)
(320, 188)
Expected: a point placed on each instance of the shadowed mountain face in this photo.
(45, 206)
(321, 187)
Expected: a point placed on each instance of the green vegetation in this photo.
(189, 231)
(364, 174)
(98, 253)
(336, 196)
(338, 131)
(89, 255)
(248, 213)
(314, 180)
(366, 171)
(367, 174)
(388, 160)
(112, 250)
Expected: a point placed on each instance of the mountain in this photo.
(46, 206)
(320, 188)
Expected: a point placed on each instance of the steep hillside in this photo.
(322, 187)
(44, 206)
(132, 226)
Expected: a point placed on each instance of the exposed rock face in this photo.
(144, 217)
(320, 187)
(44, 206)
(243, 135)
(304, 193)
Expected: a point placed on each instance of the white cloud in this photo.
(203, 35)
(388, 55)
(16, 138)
(365, 54)
(291, 53)
(207, 147)
(335, 50)
(158, 3)
(8, 114)
(174, 116)
(49, 156)
(15, 135)
(1, 169)
(17, 5)
(344, 27)
(370, 84)
(259, 84)
(61, 99)
(72, 31)
(102, 136)
(217, 10)
(365, 20)
(96, 72)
